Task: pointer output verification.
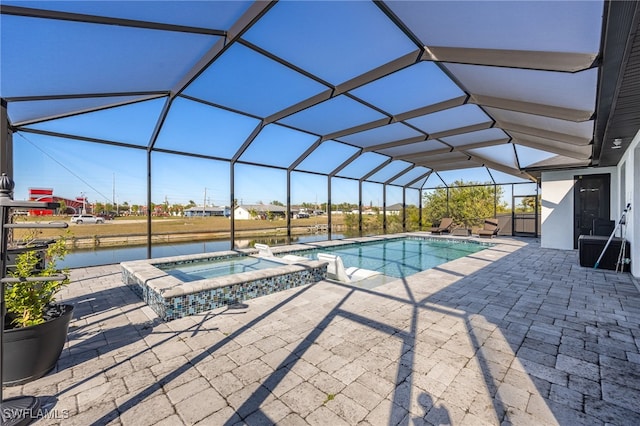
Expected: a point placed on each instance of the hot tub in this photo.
(175, 287)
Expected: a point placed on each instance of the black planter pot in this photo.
(31, 352)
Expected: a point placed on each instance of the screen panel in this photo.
(210, 131)
(132, 124)
(336, 32)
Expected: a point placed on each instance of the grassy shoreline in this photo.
(133, 231)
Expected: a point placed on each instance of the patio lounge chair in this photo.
(445, 226)
(265, 251)
(337, 272)
(490, 229)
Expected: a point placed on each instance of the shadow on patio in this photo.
(513, 334)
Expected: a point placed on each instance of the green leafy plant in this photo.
(330, 397)
(467, 202)
(28, 302)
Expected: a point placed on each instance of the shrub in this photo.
(28, 303)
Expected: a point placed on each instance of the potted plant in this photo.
(35, 326)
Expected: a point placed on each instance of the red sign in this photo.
(41, 194)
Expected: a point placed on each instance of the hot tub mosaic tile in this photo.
(171, 298)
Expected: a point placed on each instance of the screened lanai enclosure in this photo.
(275, 110)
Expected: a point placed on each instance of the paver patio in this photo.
(514, 334)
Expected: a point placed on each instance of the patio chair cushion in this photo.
(445, 226)
(490, 228)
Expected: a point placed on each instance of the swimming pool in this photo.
(178, 286)
(399, 258)
(396, 258)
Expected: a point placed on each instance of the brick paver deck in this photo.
(515, 334)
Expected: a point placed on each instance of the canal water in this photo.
(109, 255)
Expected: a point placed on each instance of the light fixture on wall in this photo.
(617, 143)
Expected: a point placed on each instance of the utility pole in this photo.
(204, 202)
(113, 195)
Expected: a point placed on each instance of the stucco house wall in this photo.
(629, 168)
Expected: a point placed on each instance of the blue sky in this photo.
(74, 167)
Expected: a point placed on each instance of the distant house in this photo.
(207, 211)
(394, 209)
(259, 211)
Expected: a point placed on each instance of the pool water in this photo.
(396, 258)
(217, 268)
(400, 258)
